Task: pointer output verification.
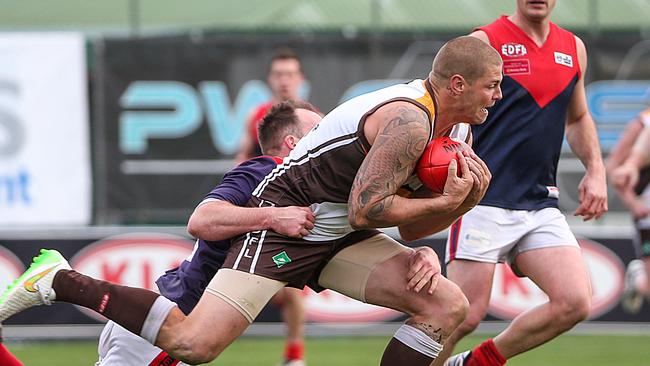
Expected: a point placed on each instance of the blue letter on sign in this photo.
(226, 125)
(136, 127)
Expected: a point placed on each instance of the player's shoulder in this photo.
(567, 33)
(258, 162)
(254, 169)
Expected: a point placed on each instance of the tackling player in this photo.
(215, 220)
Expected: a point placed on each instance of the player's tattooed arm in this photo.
(401, 137)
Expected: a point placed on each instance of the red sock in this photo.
(294, 350)
(486, 354)
(7, 359)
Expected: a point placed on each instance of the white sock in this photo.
(418, 340)
(155, 319)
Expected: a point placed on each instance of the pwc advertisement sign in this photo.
(512, 295)
(135, 260)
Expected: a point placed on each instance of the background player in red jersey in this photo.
(518, 220)
(625, 164)
(6, 358)
(284, 78)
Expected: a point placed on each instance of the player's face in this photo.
(536, 10)
(483, 93)
(285, 79)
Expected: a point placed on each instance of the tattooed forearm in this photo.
(403, 134)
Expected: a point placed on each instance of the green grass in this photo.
(567, 350)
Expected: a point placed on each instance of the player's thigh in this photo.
(559, 271)
(229, 304)
(475, 280)
(349, 270)
(375, 271)
(551, 257)
(386, 286)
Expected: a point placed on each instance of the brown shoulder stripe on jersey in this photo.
(315, 152)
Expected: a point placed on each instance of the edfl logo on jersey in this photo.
(513, 50)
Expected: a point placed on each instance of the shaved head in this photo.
(466, 56)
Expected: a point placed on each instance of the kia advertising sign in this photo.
(332, 307)
(512, 295)
(135, 260)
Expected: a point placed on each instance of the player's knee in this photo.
(293, 297)
(456, 307)
(198, 353)
(194, 351)
(573, 310)
(471, 322)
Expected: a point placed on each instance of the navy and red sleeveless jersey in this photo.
(185, 284)
(522, 137)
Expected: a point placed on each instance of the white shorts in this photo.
(492, 234)
(119, 347)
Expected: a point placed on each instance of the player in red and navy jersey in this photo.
(518, 220)
(284, 78)
(215, 220)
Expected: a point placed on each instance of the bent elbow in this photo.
(408, 235)
(358, 222)
(194, 227)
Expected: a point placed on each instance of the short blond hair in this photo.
(466, 56)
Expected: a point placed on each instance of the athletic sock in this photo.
(486, 354)
(138, 310)
(294, 350)
(410, 346)
(7, 359)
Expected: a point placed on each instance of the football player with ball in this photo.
(349, 170)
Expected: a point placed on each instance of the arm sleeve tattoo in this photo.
(402, 137)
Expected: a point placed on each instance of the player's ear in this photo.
(457, 84)
(290, 141)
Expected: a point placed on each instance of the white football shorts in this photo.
(493, 234)
(119, 347)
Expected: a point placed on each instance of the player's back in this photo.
(521, 139)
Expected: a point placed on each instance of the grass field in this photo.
(568, 350)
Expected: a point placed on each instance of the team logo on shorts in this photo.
(281, 259)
